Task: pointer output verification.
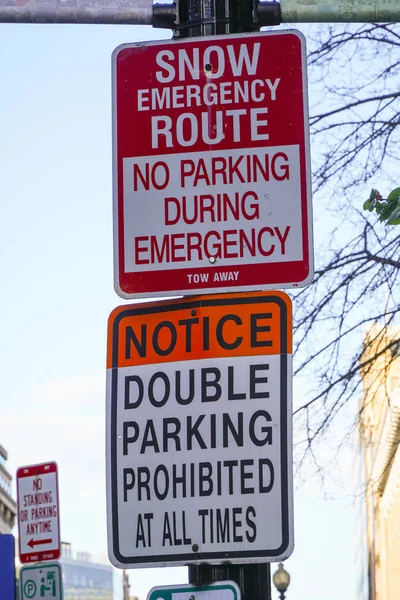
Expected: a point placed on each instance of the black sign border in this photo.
(200, 557)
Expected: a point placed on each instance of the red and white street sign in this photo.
(38, 513)
(211, 165)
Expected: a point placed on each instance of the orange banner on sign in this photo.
(200, 327)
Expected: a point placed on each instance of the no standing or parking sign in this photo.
(38, 513)
(211, 165)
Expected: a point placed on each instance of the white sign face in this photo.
(163, 233)
(223, 590)
(38, 514)
(199, 431)
(211, 165)
(41, 581)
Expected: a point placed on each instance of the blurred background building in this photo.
(8, 507)
(362, 554)
(86, 578)
(380, 458)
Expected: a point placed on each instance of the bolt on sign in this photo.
(199, 434)
(211, 165)
(223, 590)
(41, 581)
(38, 513)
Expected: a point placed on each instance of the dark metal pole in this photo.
(197, 18)
(254, 580)
(213, 17)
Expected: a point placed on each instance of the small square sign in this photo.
(222, 590)
(41, 581)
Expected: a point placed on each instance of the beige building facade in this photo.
(379, 444)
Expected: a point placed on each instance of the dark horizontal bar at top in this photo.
(143, 12)
(337, 11)
(111, 12)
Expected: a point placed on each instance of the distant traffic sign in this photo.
(41, 581)
(211, 165)
(199, 430)
(222, 590)
(38, 513)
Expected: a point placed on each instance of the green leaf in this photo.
(395, 216)
(388, 210)
(386, 214)
(394, 194)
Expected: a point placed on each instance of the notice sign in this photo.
(199, 436)
(211, 165)
(38, 515)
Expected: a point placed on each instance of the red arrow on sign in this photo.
(32, 543)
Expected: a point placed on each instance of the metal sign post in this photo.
(143, 12)
(212, 18)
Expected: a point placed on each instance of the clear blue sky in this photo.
(57, 293)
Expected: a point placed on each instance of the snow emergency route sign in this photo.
(199, 433)
(38, 513)
(211, 165)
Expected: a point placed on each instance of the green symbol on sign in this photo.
(48, 585)
(30, 588)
